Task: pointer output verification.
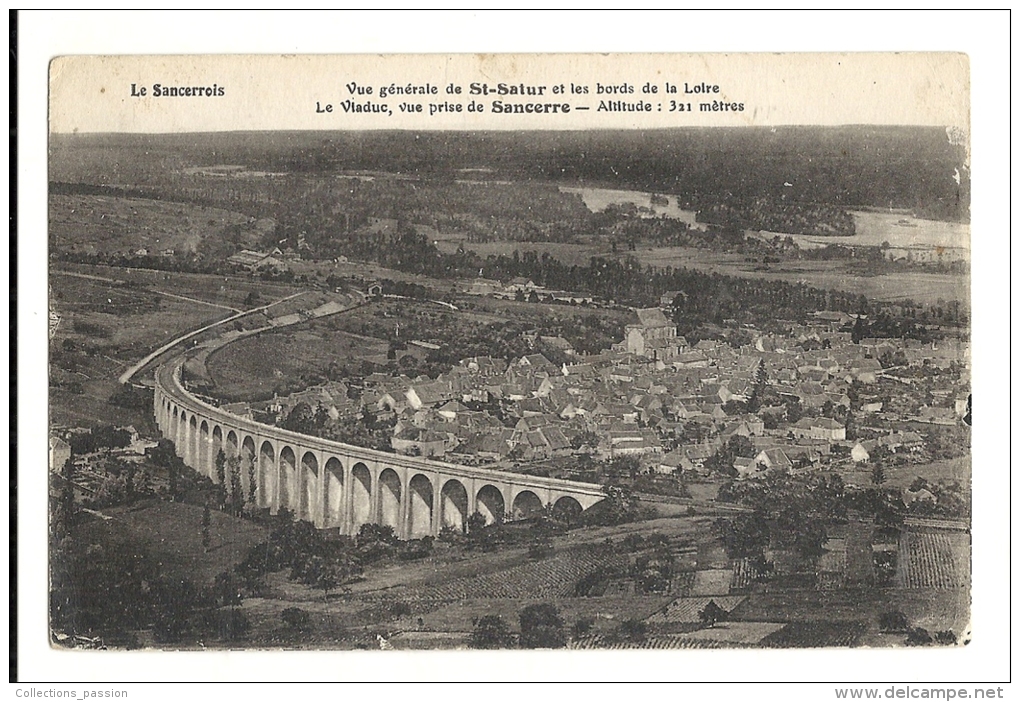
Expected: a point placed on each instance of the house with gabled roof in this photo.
(414, 441)
(674, 462)
(428, 394)
(536, 361)
(774, 458)
(819, 428)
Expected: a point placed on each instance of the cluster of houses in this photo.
(88, 468)
(522, 288)
(658, 398)
(254, 261)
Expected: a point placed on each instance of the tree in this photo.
(295, 618)
(130, 397)
(328, 577)
(582, 627)
(129, 483)
(376, 533)
(918, 637)
(252, 482)
(229, 589)
(164, 455)
(623, 467)
(206, 520)
(893, 622)
(234, 625)
(491, 632)
(585, 439)
(810, 537)
(711, 614)
(737, 447)
(300, 419)
(109, 437)
(173, 479)
(859, 331)
(221, 468)
(740, 447)
(761, 379)
(877, 474)
(400, 609)
(172, 601)
(620, 506)
(633, 630)
(475, 522)
(745, 535)
(542, 627)
(794, 410)
(541, 547)
(236, 489)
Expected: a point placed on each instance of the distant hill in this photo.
(910, 168)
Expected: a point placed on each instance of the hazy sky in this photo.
(94, 93)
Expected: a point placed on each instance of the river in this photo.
(903, 232)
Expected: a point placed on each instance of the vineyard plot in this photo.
(553, 577)
(928, 561)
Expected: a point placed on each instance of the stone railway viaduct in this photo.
(335, 485)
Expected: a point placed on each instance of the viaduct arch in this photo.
(336, 485)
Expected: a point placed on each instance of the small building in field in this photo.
(60, 452)
(859, 453)
(257, 260)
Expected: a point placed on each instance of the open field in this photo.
(934, 610)
(606, 612)
(227, 290)
(512, 309)
(103, 328)
(103, 224)
(130, 320)
(453, 587)
(259, 364)
(921, 287)
(170, 531)
(110, 317)
(898, 476)
(548, 578)
(91, 409)
(826, 275)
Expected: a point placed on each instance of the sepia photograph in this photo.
(664, 387)
(545, 366)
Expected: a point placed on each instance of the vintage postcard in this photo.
(650, 351)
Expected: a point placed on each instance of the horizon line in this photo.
(296, 130)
